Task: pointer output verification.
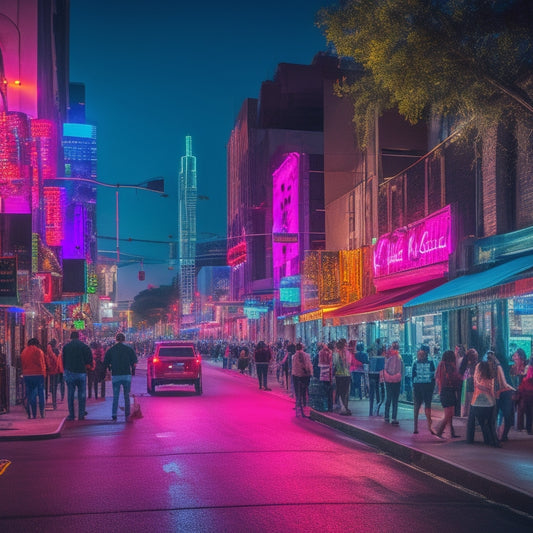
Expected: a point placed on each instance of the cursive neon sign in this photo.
(425, 242)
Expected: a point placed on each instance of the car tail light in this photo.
(155, 360)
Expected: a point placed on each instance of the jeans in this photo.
(262, 374)
(504, 405)
(485, 417)
(301, 387)
(393, 393)
(53, 378)
(125, 382)
(373, 393)
(357, 384)
(34, 388)
(343, 390)
(76, 380)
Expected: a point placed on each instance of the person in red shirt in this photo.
(34, 372)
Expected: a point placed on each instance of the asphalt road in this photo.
(235, 459)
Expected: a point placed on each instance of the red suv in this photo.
(174, 362)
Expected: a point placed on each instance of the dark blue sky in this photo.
(158, 70)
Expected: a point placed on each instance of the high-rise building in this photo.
(187, 198)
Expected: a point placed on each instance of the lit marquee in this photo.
(285, 217)
(54, 215)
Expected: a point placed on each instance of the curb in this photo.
(485, 486)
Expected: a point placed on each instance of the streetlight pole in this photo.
(156, 185)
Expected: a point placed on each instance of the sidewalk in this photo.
(503, 475)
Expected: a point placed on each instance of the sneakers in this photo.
(386, 420)
(395, 423)
(266, 388)
(114, 418)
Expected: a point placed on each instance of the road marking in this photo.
(4, 463)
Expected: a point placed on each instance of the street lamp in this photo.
(156, 185)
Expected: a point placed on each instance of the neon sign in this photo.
(237, 255)
(285, 217)
(425, 242)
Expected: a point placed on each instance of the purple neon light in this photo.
(425, 242)
(285, 216)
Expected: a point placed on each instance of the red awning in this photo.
(384, 299)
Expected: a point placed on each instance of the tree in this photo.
(465, 59)
(152, 305)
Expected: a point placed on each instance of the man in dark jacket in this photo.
(121, 359)
(76, 357)
(262, 357)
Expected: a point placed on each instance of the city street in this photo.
(234, 459)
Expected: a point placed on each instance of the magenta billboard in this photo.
(285, 218)
(426, 242)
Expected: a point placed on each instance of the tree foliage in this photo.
(458, 58)
(152, 305)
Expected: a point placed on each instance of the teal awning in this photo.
(447, 295)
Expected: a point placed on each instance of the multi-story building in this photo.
(187, 204)
(33, 106)
(275, 192)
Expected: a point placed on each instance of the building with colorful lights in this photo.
(187, 205)
(47, 235)
(275, 194)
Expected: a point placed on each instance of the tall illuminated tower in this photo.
(187, 196)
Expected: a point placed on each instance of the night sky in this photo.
(156, 71)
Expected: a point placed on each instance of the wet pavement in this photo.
(503, 475)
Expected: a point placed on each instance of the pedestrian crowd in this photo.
(487, 392)
(79, 370)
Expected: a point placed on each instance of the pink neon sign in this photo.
(285, 217)
(425, 242)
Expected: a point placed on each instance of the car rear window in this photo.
(176, 351)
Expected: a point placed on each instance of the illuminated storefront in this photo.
(407, 262)
(491, 308)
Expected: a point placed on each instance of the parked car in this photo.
(174, 362)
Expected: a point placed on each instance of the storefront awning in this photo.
(452, 294)
(384, 299)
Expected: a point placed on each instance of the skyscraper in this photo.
(187, 196)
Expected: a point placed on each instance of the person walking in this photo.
(341, 364)
(359, 360)
(52, 370)
(449, 382)
(504, 397)
(423, 379)
(121, 359)
(100, 370)
(325, 363)
(302, 370)
(34, 372)
(77, 356)
(262, 358)
(482, 406)
(392, 376)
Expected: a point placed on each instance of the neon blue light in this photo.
(79, 130)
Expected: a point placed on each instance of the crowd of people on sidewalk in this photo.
(466, 385)
(79, 370)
